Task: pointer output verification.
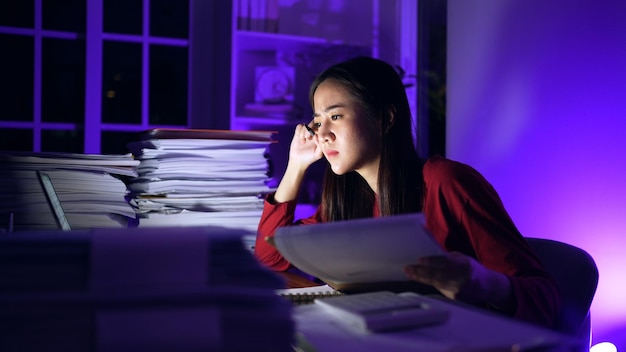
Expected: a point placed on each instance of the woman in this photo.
(362, 127)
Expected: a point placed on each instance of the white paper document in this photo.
(358, 251)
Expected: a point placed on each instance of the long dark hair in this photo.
(377, 87)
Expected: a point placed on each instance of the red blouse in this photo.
(465, 214)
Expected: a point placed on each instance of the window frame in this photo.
(94, 40)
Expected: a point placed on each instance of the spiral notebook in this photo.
(306, 295)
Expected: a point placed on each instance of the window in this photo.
(85, 76)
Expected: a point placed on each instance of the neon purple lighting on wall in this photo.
(537, 103)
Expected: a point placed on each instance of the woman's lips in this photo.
(331, 153)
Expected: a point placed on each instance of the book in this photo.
(360, 255)
(243, 14)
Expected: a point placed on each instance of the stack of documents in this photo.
(134, 289)
(201, 177)
(39, 191)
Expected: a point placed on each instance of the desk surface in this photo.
(468, 329)
(294, 280)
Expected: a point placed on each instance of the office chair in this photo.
(576, 274)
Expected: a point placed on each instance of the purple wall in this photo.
(537, 103)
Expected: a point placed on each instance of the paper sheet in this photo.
(358, 251)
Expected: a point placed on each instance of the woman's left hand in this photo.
(460, 277)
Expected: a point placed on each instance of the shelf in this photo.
(305, 38)
(264, 41)
(255, 122)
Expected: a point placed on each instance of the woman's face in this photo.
(349, 143)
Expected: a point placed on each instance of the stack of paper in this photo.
(133, 289)
(201, 177)
(87, 189)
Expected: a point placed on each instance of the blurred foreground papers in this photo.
(156, 289)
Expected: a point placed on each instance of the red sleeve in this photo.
(276, 215)
(465, 214)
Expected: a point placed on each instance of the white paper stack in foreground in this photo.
(166, 289)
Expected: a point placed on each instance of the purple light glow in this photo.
(536, 103)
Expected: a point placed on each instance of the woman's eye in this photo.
(334, 117)
(316, 125)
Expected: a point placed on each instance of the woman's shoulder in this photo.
(441, 170)
(439, 166)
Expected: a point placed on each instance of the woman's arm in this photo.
(279, 207)
(276, 215)
(460, 277)
(494, 264)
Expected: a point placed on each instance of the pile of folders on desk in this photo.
(158, 289)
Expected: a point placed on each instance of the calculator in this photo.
(383, 310)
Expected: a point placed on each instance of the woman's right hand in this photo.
(304, 149)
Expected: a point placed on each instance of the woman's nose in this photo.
(324, 132)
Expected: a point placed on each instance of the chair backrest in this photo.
(576, 274)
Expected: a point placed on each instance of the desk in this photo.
(294, 280)
(468, 329)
